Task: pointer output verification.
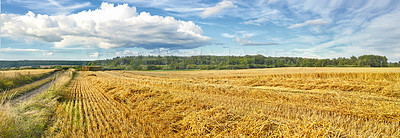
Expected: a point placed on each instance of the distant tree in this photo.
(270, 61)
(319, 63)
(299, 62)
(230, 62)
(280, 63)
(353, 60)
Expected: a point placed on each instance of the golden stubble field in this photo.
(300, 102)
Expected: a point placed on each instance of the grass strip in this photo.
(13, 93)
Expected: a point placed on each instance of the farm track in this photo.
(118, 104)
(36, 91)
(31, 93)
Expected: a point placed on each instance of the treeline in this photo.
(236, 62)
(38, 63)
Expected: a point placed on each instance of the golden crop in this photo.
(301, 102)
(16, 73)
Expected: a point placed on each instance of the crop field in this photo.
(299, 102)
(16, 78)
(16, 73)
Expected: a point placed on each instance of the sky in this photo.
(93, 30)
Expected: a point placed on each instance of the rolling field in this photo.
(301, 102)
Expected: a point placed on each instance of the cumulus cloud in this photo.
(309, 22)
(216, 9)
(107, 27)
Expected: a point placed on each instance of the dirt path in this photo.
(36, 91)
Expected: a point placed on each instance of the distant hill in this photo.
(40, 63)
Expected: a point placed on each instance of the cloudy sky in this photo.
(90, 30)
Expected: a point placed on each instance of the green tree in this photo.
(279, 63)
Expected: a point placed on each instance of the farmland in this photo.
(202, 68)
(310, 102)
(16, 73)
(16, 78)
(28, 115)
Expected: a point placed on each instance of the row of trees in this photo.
(38, 63)
(236, 62)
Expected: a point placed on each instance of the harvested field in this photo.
(304, 102)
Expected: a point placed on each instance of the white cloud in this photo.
(47, 54)
(244, 39)
(107, 27)
(309, 22)
(324, 8)
(54, 7)
(247, 42)
(216, 9)
(258, 21)
(380, 36)
(118, 53)
(168, 5)
(316, 22)
(226, 35)
(21, 50)
(128, 52)
(44, 52)
(177, 8)
(94, 55)
(272, 1)
(262, 14)
(247, 10)
(308, 39)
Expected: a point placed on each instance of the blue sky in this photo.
(90, 30)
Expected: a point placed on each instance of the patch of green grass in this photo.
(32, 117)
(29, 118)
(13, 93)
